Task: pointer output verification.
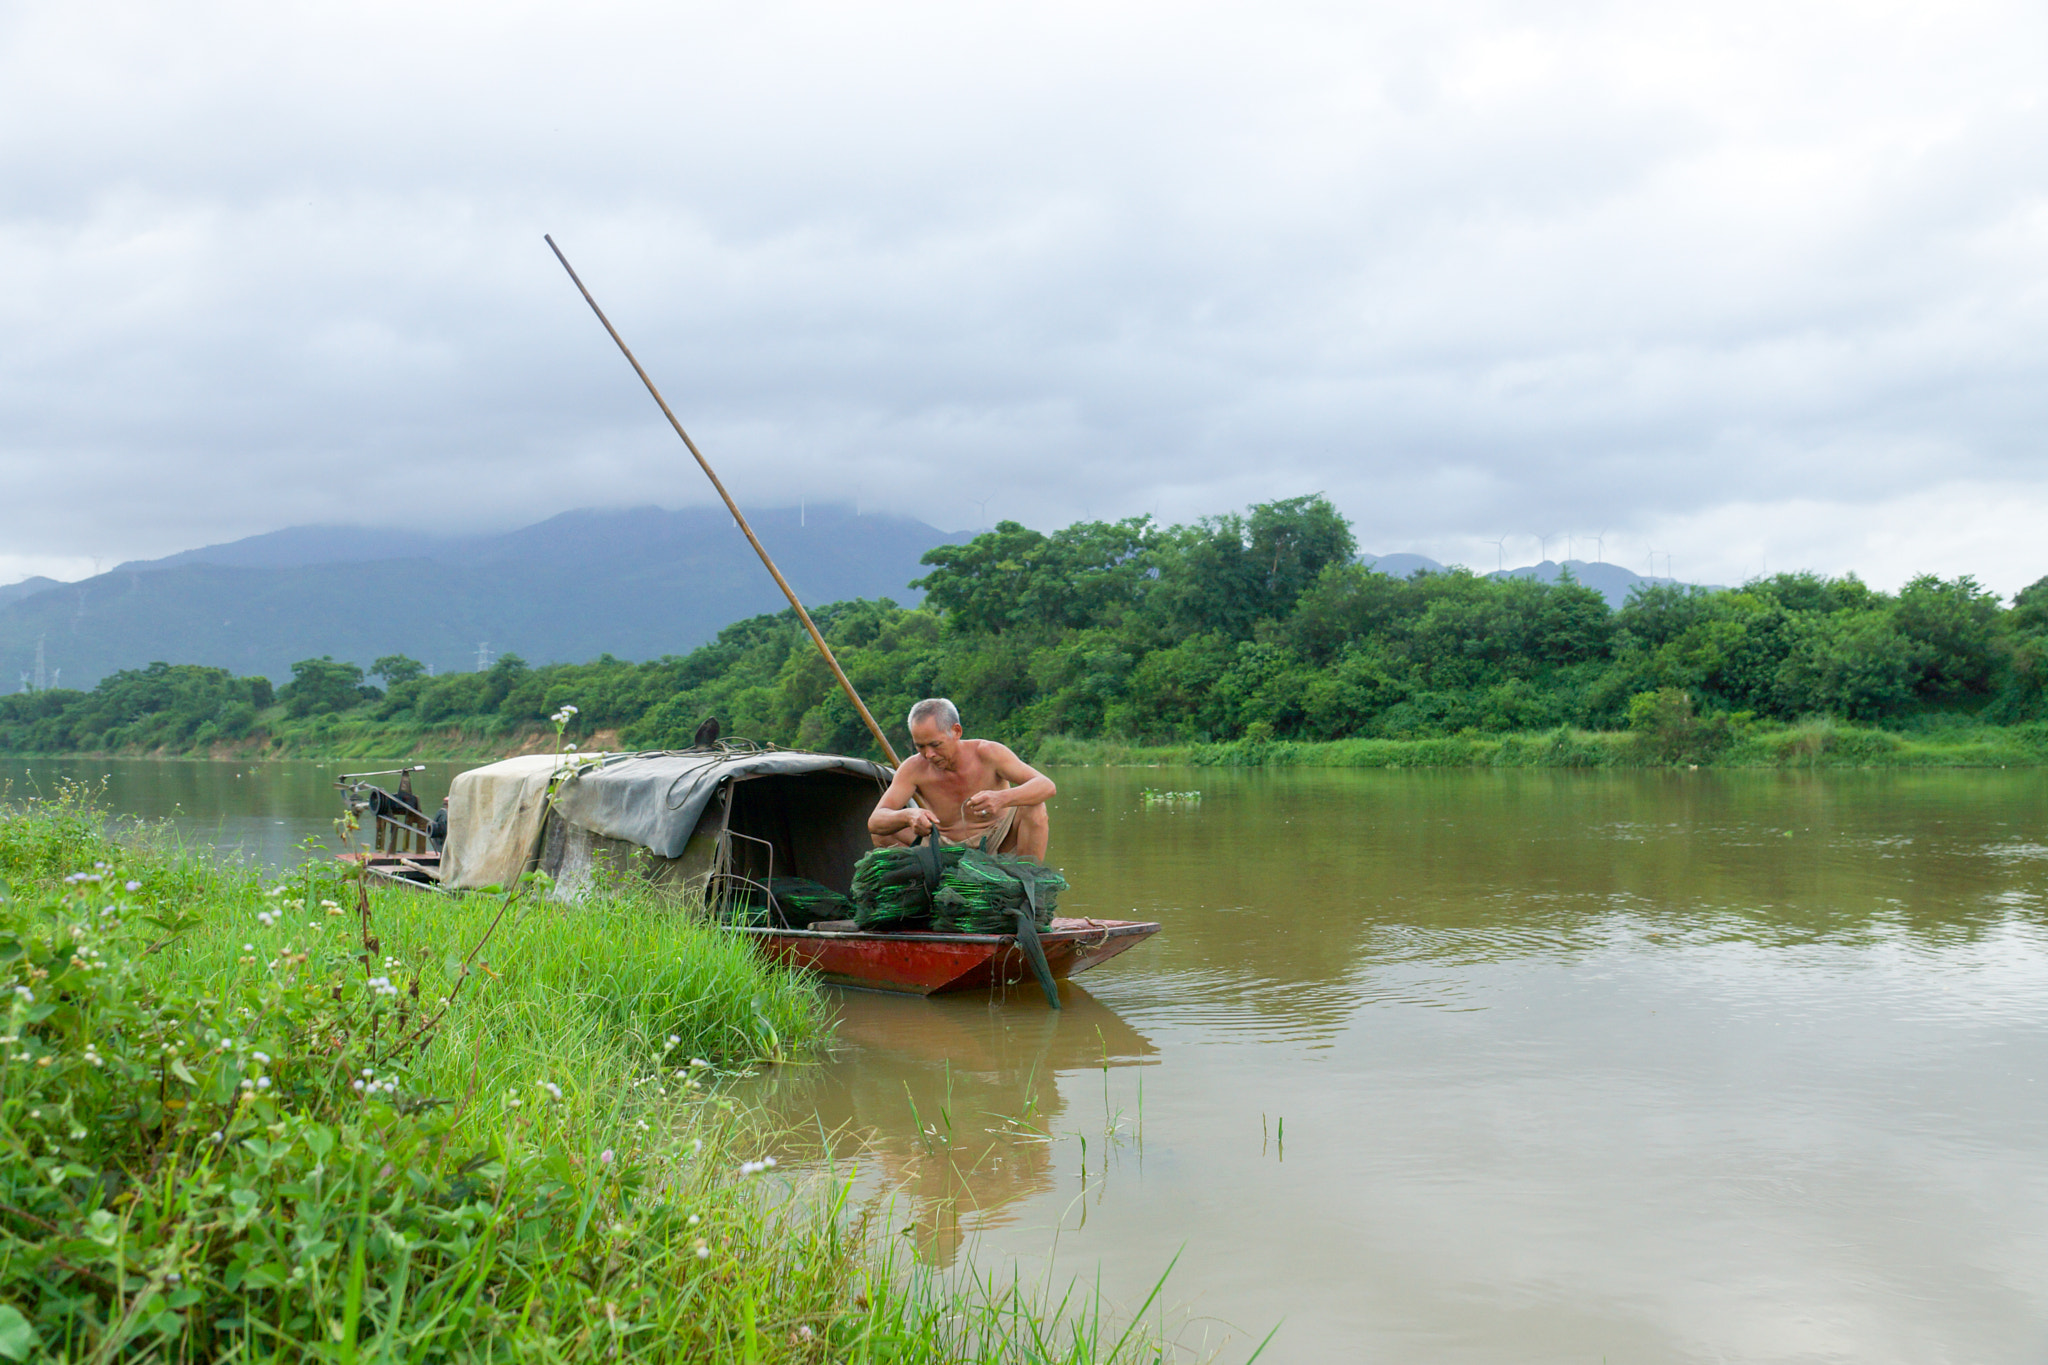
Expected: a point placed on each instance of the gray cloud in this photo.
(1760, 285)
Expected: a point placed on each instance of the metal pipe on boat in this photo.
(734, 508)
(388, 772)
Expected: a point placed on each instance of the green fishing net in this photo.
(972, 892)
(982, 893)
(891, 886)
(805, 902)
(799, 903)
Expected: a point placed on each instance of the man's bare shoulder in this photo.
(989, 750)
(1002, 760)
(916, 768)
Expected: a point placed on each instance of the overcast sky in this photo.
(1754, 284)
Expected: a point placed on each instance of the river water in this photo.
(1473, 1066)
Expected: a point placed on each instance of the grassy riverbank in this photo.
(352, 737)
(1817, 744)
(297, 1121)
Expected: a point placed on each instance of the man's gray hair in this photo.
(938, 709)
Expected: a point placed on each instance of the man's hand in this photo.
(894, 814)
(985, 805)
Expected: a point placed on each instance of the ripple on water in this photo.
(1224, 1007)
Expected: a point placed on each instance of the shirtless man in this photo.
(967, 788)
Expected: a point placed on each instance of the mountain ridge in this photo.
(1611, 581)
(637, 583)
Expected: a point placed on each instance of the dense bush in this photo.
(163, 705)
(324, 685)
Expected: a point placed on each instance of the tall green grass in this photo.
(307, 1120)
(619, 990)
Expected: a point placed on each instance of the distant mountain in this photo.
(1611, 581)
(27, 587)
(639, 583)
(1401, 566)
(296, 547)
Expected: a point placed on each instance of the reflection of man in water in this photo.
(969, 790)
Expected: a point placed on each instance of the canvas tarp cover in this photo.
(495, 815)
(655, 800)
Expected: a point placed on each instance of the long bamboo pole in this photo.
(733, 507)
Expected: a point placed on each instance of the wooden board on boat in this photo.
(924, 963)
(420, 869)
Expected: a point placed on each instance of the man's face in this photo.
(938, 746)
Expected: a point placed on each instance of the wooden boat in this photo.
(927, 963)
(717, 824)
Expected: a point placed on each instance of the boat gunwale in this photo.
(1101, 930)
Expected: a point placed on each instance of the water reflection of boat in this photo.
(1086, 1033)
(954, 1106)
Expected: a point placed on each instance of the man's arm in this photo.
(1029, 787)
(894, 813)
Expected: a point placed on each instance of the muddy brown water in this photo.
(1472, 1066)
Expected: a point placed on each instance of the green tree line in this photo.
(1253, 625)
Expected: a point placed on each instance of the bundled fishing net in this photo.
(892, 887)
(959, 890)
(982, 893)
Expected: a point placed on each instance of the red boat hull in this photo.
(932, 963)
